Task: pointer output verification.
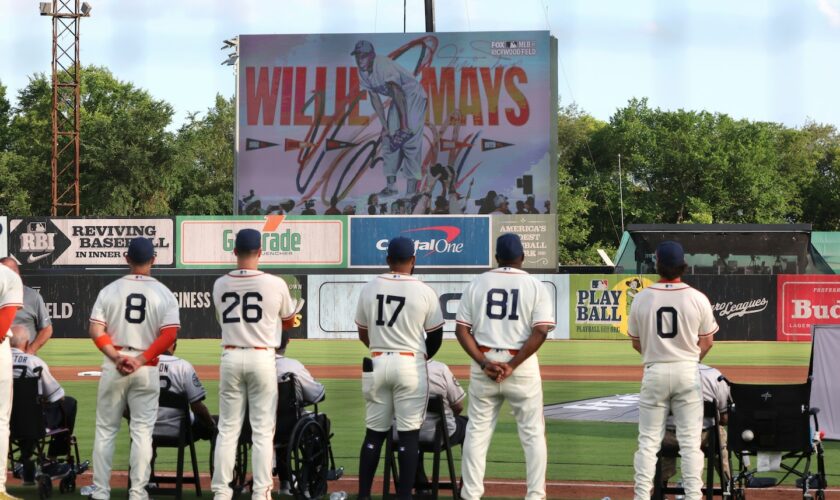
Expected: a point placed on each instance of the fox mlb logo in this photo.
(599, 284)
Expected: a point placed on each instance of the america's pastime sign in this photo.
(448, 123)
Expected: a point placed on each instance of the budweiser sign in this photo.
(804, 301)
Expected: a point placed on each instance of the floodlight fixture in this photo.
(86, 8)
(230, 42)
(231, 60)
(46, 8)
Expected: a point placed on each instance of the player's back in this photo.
(398, 310)
(669, 319)
(249, 305)
(134, 309)
(501, 306)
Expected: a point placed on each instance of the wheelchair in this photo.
(302, 449)
(775, 418)
(28, 431)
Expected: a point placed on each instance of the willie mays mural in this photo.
(441, 123)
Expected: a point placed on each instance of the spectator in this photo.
(530, 206)
(520, 207)
(178, 376)
(311, 391)
(333, 209)
(59, 410)
(501, 202)
(547, 206)
(441, 205)
(33, 316)
(487, 204)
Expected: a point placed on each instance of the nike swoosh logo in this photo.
(36, 258)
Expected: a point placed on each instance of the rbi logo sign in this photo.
(36, 242)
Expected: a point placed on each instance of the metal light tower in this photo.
(66, 120)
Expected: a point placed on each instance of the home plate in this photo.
(89, 374)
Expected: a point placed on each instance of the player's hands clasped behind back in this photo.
(497, 371)
(126, 365)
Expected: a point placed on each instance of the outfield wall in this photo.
(587, 306)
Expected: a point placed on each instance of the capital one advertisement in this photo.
(804, 301)
(394, 123)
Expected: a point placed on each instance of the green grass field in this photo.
(577, 450)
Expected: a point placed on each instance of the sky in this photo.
(772, 60)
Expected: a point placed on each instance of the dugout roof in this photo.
(724, 248)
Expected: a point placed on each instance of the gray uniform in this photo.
(33, 315)
(178, 376)
(311, 391)
(26, 365)
(441, 383)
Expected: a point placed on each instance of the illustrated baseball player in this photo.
(672, 326)
(400, 321)
(402, 128)
(504, 317)
(133, 321)
(249, 304)
(11, 299)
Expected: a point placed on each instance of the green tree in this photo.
(204, 162)
(126, 152)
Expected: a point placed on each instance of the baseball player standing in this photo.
(33, 315)
(400, 321)
(504, 317)
(672, 326)
(134, 320)
(249, 304)
(11, 299)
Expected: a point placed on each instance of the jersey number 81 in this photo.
(497, 303)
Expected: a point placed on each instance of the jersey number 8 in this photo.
(135, 308)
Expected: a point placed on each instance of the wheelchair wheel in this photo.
(44, 486)
(308, 459)
(67, 483)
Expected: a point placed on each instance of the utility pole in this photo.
(430, 16)
(620, 194)
(66, 116)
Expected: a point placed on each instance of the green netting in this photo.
(827, 244)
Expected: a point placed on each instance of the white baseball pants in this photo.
(5, 408)
(140, 392)
(675, 387)
(523, 390)
(398, 387)
(247, 379)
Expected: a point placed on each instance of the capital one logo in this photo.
(37, 239)
(441, 240)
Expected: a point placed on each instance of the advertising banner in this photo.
(743, 304)
(70, 298)
(599, 304)
(332, 302)
(4, 236)
(538, 234)
(38, 242)
(440, 241)
(804, 301)
(396, 123)
(287, 241)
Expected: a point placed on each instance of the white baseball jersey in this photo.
(250, 305)
(30, 366)
(669, 319)
(503, 305)
(177, 376)
(134, 309)
(311, 391)
(397, 310)
(11, 292)
(441, 383)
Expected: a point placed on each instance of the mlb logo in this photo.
(599, 284)
(37, 227)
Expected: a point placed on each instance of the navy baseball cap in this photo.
(509, 247)
(140, 250)
(248, 239)
(362, 47)
(670, 254)
(400, 248)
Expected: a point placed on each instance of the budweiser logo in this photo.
(804, 309)
(731, 310)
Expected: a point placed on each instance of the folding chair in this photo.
(440, 443)
(775, 418)
(183, 440)
(714, 461)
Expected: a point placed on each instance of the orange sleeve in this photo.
(7, 315)
(166, 338)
